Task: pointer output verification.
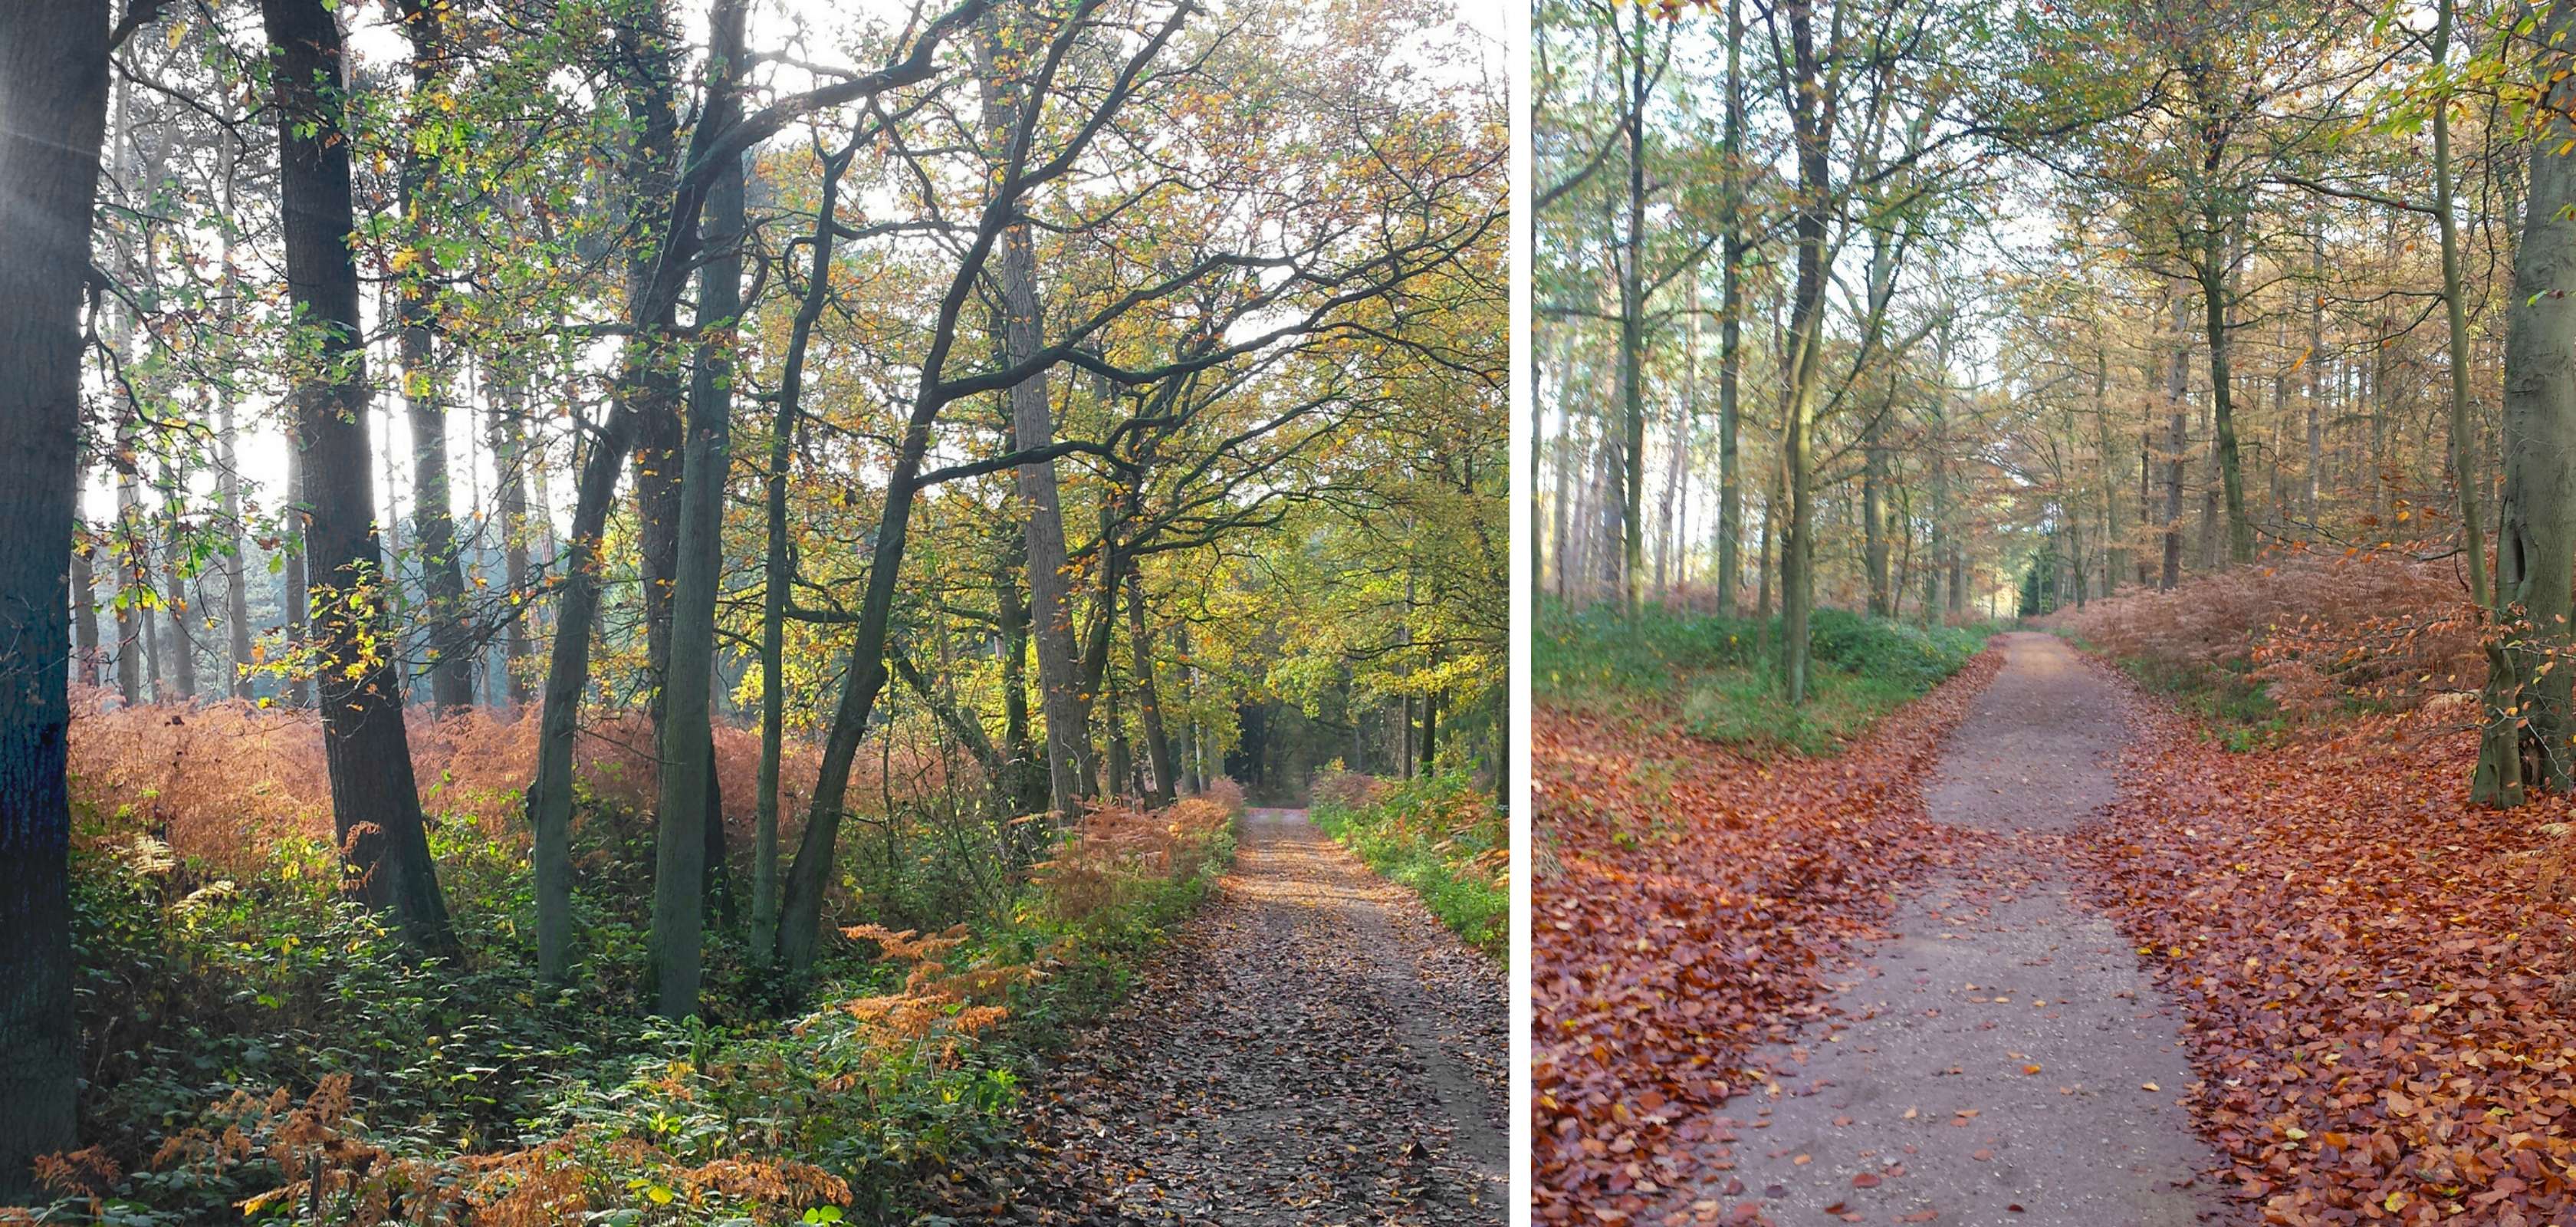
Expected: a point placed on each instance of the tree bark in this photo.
(293, 586)
(1140, 640)
(1632, 333)
(1000, 64)
(2214, 265)
(1811, 119)
(375, 804)
(1730, 334)
(689, 844)
(1680, 445)
(778, 567)
(2536, 520)
(643, 63)
(451, 659)
(2177, 396)
(228, 504)
(53, 120)
(2464, 468)
(176, 596)
(508, 433)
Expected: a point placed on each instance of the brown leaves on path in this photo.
(2372, 969)
(1694, 896)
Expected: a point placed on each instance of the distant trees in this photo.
(1043, 422)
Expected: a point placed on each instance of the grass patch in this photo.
(2235, 710)
(1718, 677)
(1439, 835)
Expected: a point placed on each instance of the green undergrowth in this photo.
(2227, 704)
(242, 1000)
(1439, 835)
(1717, 677)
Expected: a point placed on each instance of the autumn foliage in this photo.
(2377, 975)
(1686, 899)
(222, 782)
(2316, 631)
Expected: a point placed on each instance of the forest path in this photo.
(2004, 1058)
(1315, 1048)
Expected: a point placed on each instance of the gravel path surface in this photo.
(1315, 1049)
(2004, 1059)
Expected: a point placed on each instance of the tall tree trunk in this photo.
(2214, 266)
(801, 902)
(508, 434)
(1632, 334)
(1680, 446)
(643, 65)
(778, 567)
(86, 658)
(1000, 68)
(689, 837)
(1873, 506)
(1811, 120)
(1730, 327)
(451, 650)
(296, 596)
(1568, 457)
(228, 504)
(177, 597)
(2316, 358)
(53, 121)
(2463, 447)
(1140, 639)
(375, 804)
(2536, 520)
(2177, 400)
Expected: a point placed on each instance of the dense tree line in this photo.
(1085, 385)
(2067, 302)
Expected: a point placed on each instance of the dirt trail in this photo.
(1914, 1094)
(1315, 1049)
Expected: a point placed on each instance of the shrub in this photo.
(1440, 835)
(437, 1092)
(224, 783)
(2314, 635)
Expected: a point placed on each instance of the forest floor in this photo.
(1314, 1049)
(2001, 1057)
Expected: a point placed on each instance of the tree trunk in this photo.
(176, 596)
(688, 844)
(1730, 328)
(2463, 448)
(2536, 521)
(2316, 358)
(1806, 348)
(53, 120)
(451, 660)
(508, 432)
(1681, 427)
(375, 803)
(1632, 335)
(228, 504)
(2214, 295)
(999, 69)
(643, 377)
(1140, 639)
(2177, 396)
(86, 658)
(296, 596)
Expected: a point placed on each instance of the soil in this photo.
(1315, 1049)
(2003, 1059)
